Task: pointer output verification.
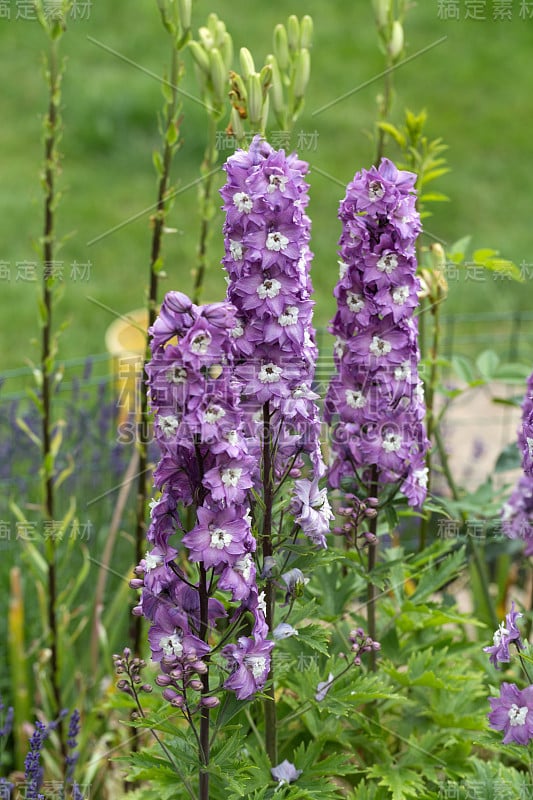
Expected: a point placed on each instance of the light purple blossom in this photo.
(512, 713)
(517, 512)
(285, 773)
(249, 663)
(507, 634)
(323, 688)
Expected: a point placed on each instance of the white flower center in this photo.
(235, 249)
(243, 203)
(355, 398)
(391, 442)
(420, 476)
(499, 634)
(354, 302)
(237, 331)
(387, 263)
(400, 295)
(269, 288)
(276, 241)
(270, 373)
(517, 716)
(529, 441)
(213, 413)
(289, 316)
(257, 665)
(261, 603)
(379, 346)
(201, 342)
(343, 269)
(232, 437)
(402, 372)
(177, 375)
(231, 476)
(168, 425)
(375, 190)
(338, 347)
(276, 182)
(171, 645)
(152, 561)
(220, 539)
(244, 566)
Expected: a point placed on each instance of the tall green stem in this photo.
(206, 207)
(384, 110)
(204, 713)
(431, 389)
(372, 556)
(266, 544)
(51, 135)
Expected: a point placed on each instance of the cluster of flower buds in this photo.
(213, 56)
(355, 512)
(375, 400)
(129, 669)
(361, 643)
(291, 68)
(205, 465)
(268, 261)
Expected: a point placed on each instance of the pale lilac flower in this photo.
(506, 634)
(249, 662)
(284, 631)
(285, 773)
(323, 688)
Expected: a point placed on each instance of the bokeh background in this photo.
(475, 85)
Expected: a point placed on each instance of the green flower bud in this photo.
(281, 47)
(395, 46)
(247, 63)
(220, 32)
(264, 113)
(200, 56)
(206, 38)
(226, 50)
(293, 33)
(382, 9)
(265, 76)
(302, 72)
(236, 125)
(184, 11)
(306, 31)
(276, 85)
(219, 75)
(255, 99)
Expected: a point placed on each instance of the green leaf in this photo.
(487, 363)
(402, 782)
(397, 135)
(463, 367)
(508, 459)
(513, 372)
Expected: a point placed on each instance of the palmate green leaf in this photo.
(435, 576)
(402, 782)
(314, 637)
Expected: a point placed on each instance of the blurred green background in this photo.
(475, 86)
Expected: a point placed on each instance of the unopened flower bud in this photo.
(196, 685)
(247, 63)
(281, 47)
(395, 46)
(306, 31)
(163, 680)
(293, 33)
(382, 10)
(237, 127)
(226, 50)
(184, 11)
(301, 73)
(137, 611)
(146, 687)
(207, 38)
(136, 583)
(200, 56)
(371, 513)
(209, 702)
(255, 99)
(276, 86)
(126, 652)
(200, 667)
(173, 697)
(372, 501)
(219, 75)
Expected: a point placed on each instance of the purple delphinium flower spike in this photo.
(517, 512)
(375, 401)
(512, 712)
(506, 634)
(268, 263)
(204, 463)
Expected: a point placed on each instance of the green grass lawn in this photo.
(474, 85)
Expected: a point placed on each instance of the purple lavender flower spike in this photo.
(512, 713)
(375, 400)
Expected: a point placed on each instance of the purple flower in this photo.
(249, 662)
(323, 688)
(285, 773)
(506, 634)
(512, 712)
(517, 512)
(220, 537)
(375, 400)
(311, 509)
